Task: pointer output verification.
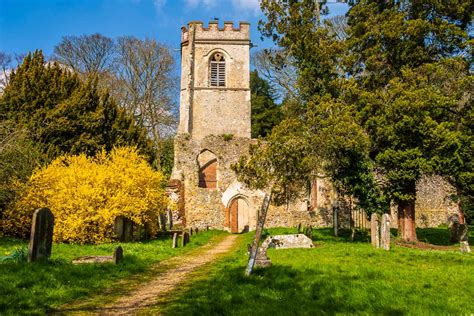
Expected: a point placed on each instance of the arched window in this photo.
(217, 69)
(207, 170)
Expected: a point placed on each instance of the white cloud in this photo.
(159, 4)
(195, 3)
(247, 5)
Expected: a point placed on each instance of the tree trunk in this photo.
(462, 219)
(406, 221)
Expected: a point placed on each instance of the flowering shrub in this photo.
(86, 194)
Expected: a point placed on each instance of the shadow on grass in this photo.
(277, 290)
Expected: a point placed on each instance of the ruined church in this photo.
(214, 131)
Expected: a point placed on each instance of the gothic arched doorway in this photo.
(239, 215)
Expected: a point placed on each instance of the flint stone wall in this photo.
(205, 207)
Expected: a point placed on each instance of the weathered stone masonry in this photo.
(214, 131)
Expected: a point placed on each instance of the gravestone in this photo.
(375, 230)
(41, 239)
(335, 220)
(385, 232)
(454, 228)
(115, 258)
(196, 231)
(191, 231)
(118, 254)
(464, 238)
(170, 219)
(288, 241)
(123, 229)
(175, 241)
(184, 239)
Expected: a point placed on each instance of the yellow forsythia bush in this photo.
(87, 194)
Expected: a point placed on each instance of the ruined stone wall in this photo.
(433, 205)
(207, 207)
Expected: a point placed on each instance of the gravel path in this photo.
(147, 294)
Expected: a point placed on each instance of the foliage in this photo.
(19, 156)
(86, 194)
(64, 115)
(43, 287)
(335, 277)
(265, 112)
(140, 75)
(18, 255)
(167, 156)
(387, 36)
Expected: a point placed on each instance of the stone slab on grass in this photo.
(289, 241)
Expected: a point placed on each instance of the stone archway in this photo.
(239, 215)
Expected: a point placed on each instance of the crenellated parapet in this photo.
(213, 32)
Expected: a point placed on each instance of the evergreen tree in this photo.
(64, 115)
(265, 112)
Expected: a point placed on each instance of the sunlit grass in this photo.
(40, 287)
(337, 276)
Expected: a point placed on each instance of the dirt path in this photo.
(147, 294)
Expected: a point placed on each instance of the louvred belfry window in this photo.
(217, 70)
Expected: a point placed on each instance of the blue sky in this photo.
(26, 25)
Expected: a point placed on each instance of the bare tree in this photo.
(337, 25)
(276, 67)
(146, 84)
(85, 54)
(5, 65)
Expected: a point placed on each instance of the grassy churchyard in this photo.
(337, 276)
(43, 286)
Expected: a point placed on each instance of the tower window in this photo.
(217, 70)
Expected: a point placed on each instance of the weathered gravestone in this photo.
(191, 231)
(464, 238)
(170, 219)
(385, 232)
(184, 239)
(175, 241)
(41, 239)
(335, 219)
(288, 241)
(197, 231)
(115, 258)
(118, 254)
(123, 229)
(375, 230)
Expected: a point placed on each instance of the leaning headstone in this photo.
(309, 232)
(375, 230)
(118, 254)
(41, 239)
(184, 239)
(175, 241)
(385, 232)
(464, 238)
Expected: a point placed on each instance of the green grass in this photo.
(335, 277)
(41, 287)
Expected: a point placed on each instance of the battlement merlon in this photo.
(213, 32)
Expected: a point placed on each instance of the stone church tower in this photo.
(214, 131)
